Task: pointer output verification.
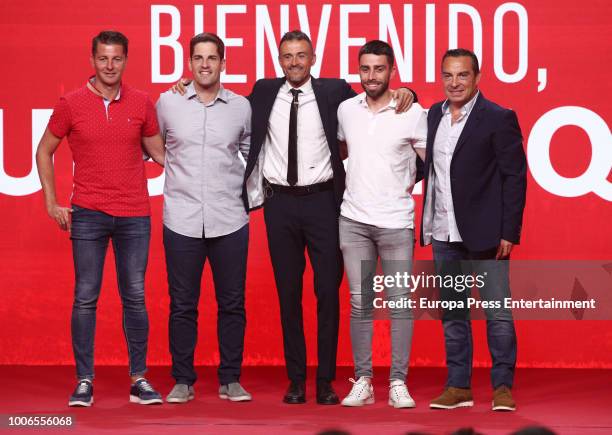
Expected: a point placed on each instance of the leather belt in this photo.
(301, 190)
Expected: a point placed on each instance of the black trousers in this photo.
(295, 224)
(185, 258)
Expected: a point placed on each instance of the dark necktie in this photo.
(292, 173)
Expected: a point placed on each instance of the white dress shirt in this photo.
(444, 223)
(381, 168)
(313, 155)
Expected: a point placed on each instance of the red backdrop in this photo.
(45, 48)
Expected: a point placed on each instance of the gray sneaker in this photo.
(234, 392)
(181, 393)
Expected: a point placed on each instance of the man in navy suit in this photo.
(475, 184)
(294, 164)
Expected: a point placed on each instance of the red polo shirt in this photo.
(109, 171)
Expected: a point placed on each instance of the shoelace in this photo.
(503, 393)
(83, 387)
(145, 386)
(358, 387)
(400, 390)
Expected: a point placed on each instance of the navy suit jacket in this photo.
(488, 175)
(329, 93)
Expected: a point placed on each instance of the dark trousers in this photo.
(453, 258)
(293, 224)
(185, 258)
(90, 233)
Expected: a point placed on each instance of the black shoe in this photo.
(296, 393)
(82, 394)
(326, 394)
(143, 393)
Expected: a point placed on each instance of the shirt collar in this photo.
(467, 107)
(361, 99)
(222, 95)
(305, 88)
(93, 89)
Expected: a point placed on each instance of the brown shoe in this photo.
(453, 398)
(502, 399)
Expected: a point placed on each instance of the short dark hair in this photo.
(207, 37)
(460, 52)
(109, 37)
(295, 35)
(379, 48)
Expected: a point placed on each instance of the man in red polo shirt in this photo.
(107, 124)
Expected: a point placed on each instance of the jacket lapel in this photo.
(433, 123)
(261, 104)
(471, 123)
(323, 105)
(270, 98)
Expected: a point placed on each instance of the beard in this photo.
(375, 93)
(296, 75)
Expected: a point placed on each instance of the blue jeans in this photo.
(450, 259)
(90, 234)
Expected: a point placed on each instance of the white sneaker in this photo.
(399, 397)
(361, 394)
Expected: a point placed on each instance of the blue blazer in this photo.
(488, 175)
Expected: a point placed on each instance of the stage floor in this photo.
(567, 401)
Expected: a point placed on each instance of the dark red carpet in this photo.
(569, 401)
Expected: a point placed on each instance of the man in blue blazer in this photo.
(475, 184)
(294, 164)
